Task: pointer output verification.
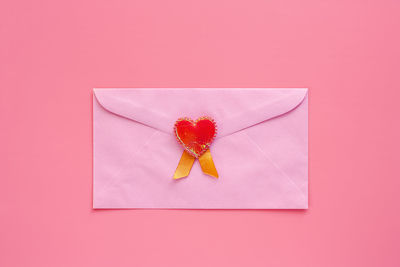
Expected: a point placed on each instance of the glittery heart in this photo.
(195, 136)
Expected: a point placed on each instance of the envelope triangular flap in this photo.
(233, 109)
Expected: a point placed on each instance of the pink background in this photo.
(52, 53)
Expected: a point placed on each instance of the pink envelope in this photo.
(260, 151)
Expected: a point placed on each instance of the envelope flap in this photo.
(232, 109)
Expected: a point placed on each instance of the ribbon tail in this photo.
(207, 164)
(184, 166)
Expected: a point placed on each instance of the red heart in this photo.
(195, 136)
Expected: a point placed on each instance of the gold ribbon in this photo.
(186, 163)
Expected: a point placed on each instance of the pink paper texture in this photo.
(261, 149)
(52, 55)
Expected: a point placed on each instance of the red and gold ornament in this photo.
(196, 138)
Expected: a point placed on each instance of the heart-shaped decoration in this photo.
(195, 136)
